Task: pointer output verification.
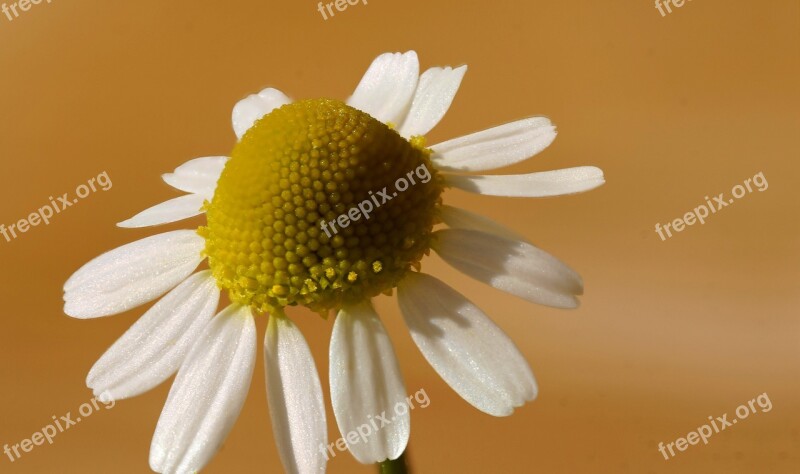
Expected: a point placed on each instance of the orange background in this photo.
(673, 109)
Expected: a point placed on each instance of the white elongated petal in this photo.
(542, 184)
(295, 399)
(457, 218)
(474, 356)
(387, 87)
(512, 266)
(366, 386)
(197, 176)
(496, 147)
(155, 346)
(180, 208)
(248, 110)
(133, 274)
(207, 395)
(435, 93)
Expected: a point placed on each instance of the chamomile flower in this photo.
(275, 238)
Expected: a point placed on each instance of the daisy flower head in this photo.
(326, 204)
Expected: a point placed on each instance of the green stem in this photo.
(398, 466)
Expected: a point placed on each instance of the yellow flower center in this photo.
(320, 205)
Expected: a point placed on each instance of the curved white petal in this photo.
(512, 266)
(457, 218)
(155, 346)
(387, 87)
(474, 356)
(295, 399)
(435, 93)
(207, 395)
(542, 184)
(197, 176)
(174, 210)
(496, 147)
(133, 274)
(366, 386)
(248, 110)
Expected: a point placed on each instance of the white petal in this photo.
(436, 91)
(248, 110)
(197, 176)
(457, 218)
(207, 395)
(155, 346)
(546, 183)
(495, 147)
(295, 399)
(180, 208)
(365, 384)
(133, 274)
(474, 356)
(386, 89)
(512, 266)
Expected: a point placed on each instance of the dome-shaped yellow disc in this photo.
(320, 205)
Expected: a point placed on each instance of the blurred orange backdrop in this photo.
(673, 108)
